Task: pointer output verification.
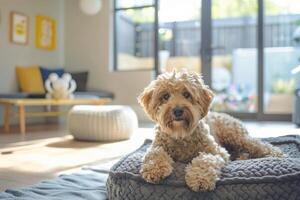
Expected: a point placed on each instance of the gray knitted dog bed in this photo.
(264, 178)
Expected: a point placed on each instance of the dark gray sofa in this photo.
(81, 79)
(81, 94)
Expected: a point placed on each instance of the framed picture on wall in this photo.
(19, 25)
(45, 28)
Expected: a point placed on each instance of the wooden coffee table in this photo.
(23, 103)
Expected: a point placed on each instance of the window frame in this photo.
(116, 9)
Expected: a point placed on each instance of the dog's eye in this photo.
(165, 97)
(186, 95)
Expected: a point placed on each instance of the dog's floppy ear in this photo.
(204, 95)
(144, 100)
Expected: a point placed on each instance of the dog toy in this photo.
(60, 88)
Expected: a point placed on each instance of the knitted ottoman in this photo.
(263, 178)
(102, 123)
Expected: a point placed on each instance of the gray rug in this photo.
(264, 178)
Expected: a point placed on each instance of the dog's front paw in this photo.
(155, 171)
(203, 172)
(199, 180)
(243, 156)
(276, 152)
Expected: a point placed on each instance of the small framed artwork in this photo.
(45, 28)
(19, 25)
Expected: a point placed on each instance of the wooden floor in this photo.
(48, 150)
(35, 132)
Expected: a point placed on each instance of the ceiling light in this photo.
(90, 7)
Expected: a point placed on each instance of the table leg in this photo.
(22, 119)
(7, 112)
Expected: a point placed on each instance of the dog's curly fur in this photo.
(198, 137)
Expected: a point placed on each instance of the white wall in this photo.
(87, 46)
(13, 54)
(83, 44)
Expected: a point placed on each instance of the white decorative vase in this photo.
(163, 59)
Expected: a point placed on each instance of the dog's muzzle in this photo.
(177, 113)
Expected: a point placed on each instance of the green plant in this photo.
(281, 86)
(164, 36)
(141, 16)
(239, 8)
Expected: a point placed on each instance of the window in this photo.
(178, 35)
(179, 31)
(134, 35)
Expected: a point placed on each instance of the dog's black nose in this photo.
(177, 112)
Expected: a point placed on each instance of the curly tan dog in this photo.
(187, 132)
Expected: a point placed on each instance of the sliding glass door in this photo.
(252, 56)
(234, 55)
(248, 51)
(281, 55)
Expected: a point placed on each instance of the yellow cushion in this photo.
(30, 79)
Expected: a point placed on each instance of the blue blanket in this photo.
(88, 184)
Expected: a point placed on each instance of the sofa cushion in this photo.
(46, 72)
(29, 79)
(81, 79)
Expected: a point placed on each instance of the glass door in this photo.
(234, 55)
(254, 57)
(248, 51)
(281, 55)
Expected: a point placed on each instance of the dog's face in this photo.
(177, 101)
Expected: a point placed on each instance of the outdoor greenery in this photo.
(239, 8)
(221, 9)
(145, 15)
(164, 36)
(281, 86)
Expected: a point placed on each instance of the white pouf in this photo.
(102, 123)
